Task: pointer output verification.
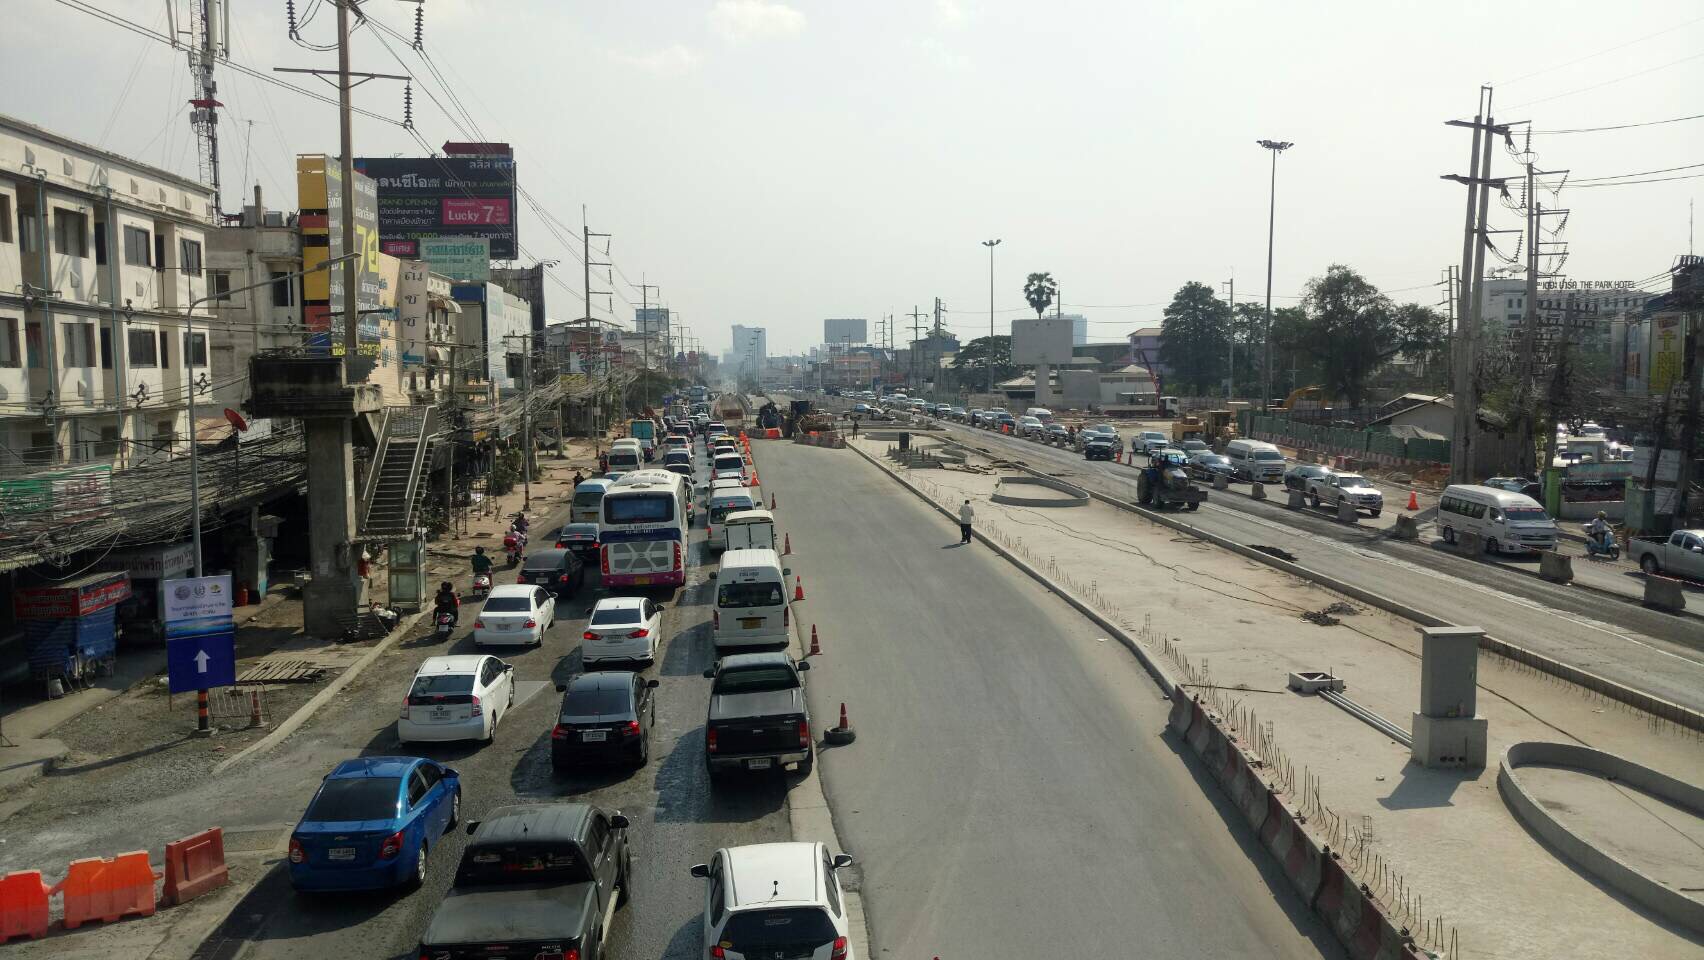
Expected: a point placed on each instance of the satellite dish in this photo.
(236, 419)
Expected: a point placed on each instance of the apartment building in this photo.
(101, 272)
(253, 266)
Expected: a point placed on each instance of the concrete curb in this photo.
(1079, 496)
(306, 711)
(1665, 901)
(1150, 663)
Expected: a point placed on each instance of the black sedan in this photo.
(1203, 466)
(606, 716)
(1100, 448)
(581, 539)
(1297, 477)
(560, 571)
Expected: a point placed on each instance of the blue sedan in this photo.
(373, 823)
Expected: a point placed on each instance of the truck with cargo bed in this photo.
(1680, 554)
(758, 719)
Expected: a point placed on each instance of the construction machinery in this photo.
(1165, 483)
(1187, 428)
(1219, 427)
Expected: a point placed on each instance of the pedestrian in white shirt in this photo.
(966, 515)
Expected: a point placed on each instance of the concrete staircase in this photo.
(396, 485)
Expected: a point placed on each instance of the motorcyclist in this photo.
(481, 562)
(1600, 530)
(521, 523)
(579, 478)
(446, 601)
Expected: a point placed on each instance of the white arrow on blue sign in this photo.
(201, 662)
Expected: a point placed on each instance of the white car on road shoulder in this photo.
(624, 629)
(456, 698)
(515, 614)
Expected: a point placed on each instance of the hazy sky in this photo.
(774, 163)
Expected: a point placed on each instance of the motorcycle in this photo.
(1605, 547)
(514, 546)
(481, 585)
(445, 623)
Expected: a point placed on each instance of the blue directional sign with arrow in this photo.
(201, 663)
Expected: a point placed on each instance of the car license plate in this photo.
(594, 736)
(758, 763)
(642, 579)
(440, 713)
(751, 622)
(340, 853)
(503, 626)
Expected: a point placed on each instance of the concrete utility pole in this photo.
(1231, 344)
(526, 414)
(1277, 147)
(991, 244)
(645, 334)
(916, 327)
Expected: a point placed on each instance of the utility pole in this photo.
(1231, 344)
(645, 332)
(916, 326)
(526, 414)
(991, 244)
(586, 265)
(1277, 147)
(1474, 241)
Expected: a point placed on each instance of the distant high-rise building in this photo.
(844, 330)
(1079, 329)
(751, 348)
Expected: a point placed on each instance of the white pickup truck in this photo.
(1332, 488)
(1681, 555)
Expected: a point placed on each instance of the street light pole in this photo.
(991, 244)
(1277, 147)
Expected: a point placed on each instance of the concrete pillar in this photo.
(251, 553)
(335, 589)
(1447, 729)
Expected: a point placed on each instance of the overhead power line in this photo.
(1622, 126)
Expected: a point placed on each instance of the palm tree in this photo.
(1039, 290)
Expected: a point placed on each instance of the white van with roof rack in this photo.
(1508, 522)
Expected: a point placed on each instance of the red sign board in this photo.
(78, 598)
(466, 211)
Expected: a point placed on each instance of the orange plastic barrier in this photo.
(195, 865)
(772, 434)
(100, 889)
(23, 905)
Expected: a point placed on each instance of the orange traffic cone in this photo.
(787, 545)
(816, 645)
(1413, 501)
(842, 734)
(798, 588)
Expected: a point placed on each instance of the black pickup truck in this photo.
(536, 880)
(758, 718)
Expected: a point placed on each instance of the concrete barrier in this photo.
(1356, 916)
(1075, 496)
(1556, 567)
(1664, 900)
(1346, 512)
(1257, 490)
(1407, 527)
(1298, 500)
(1285, 839)
(1220, 483)
(1470, 545)
(1664, 593)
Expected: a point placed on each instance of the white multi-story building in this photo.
(101, 268)
(750, 351)
(264, 245)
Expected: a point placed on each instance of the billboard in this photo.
(849, 329)
(452, 197)
(319, 193)
(462, 259)
(1047, 340)
(413, 333)
(651, 321)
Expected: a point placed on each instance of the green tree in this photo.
(1354, 330)
(1039, 290)
(971, 361)
(1248, 333)
(1193, 338)
(1291, 362)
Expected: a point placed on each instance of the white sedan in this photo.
(456, 698)
(514, 614)
(625, 629)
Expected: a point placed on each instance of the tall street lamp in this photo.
(991, 244)
(1277, 147)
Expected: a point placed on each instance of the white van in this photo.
(1040, 413)
(749, 530)
(1253, 460)
(625, 457)
(722, 503)
(1509, 522)
(751, 600)
(588, 501)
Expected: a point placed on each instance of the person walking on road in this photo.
(966, 514)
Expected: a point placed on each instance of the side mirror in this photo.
(508, 668)
(451, 773)
(562, 688)
(651, 684)
(804, 665)
(658, 606)
(786, 571)
(619, 822)
(701, 871)
(842, 860)
(472, 825)
(710, 674)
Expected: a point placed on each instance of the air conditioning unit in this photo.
(83, 390)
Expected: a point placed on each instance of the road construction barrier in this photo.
(1355, 916)
(97, 888)
(1469, 544)
(1285, 839)
(195, 865)
(1257, 490)
(23, 905)
(1181, 711)
(1297, 500)
(1664, 593)
(1556, 567)
(771, 433)
(1346, 512)
(1220, 482)
(1407, 527)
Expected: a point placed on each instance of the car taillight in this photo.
(404, 713)
(559, 732)
(531, 623)
(297, 854)
(478, 711)
(710, 740)
(392, 845)
(562, 579)
(632, 728)
(589, 635)
(804, 733)
(717, 953)
(572, 953)
(638, 634)
(479, 624)
(603, 560)
(520, 578)
(839, 951)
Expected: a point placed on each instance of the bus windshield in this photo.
(639, 508)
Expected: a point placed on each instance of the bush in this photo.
(505, 472)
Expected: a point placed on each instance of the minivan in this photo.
(723, 503)
(1509, 522)
(588, 501)
(749, 529)
(1040, 413)
(1255, 460)
(751, 600)
(625, 458)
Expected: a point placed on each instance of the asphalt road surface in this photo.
(676, 820)
(1657, 652)
(1013, 791)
